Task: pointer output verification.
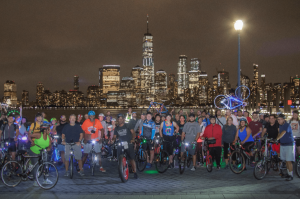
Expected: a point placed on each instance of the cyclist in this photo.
(287, 152)
(229, 114)
(53, 125)
(244, 133)
(93, 130)
(10, 134)
(79, 119)
(139, 125)
(220, 119)
(59, 129)
(206, 121)
(103, 123)
(148, 131)
(124, 134)
(35, 127)
(128, 115)
(272, 131)
(199, 150)
(72, 132)
(158, 122)
(255, 125)
(190, 133)
(41, 141)
(295, 124)
(214, 131)
(228, 135)
(168, 130)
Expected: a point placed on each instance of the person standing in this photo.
(234, 119)
(59, 129)
(228, 135)
(190, 133)
(157, 124)
(255, 126)
(35, 127)
(287, 152)
(128, 115)
(246, 115)
(200, 144)
(214, 131)
(220, 119)
(104, 125)
(139, 124)
(93, 130)
(295, 124)
(72, 133)
(167, 131)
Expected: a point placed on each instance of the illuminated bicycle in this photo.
(233, 102)
(161, 110)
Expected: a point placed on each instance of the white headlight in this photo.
(95, 158)
(93, 141)
(186, 144)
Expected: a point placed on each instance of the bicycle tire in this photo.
(260, 166)
(43, 168)
(141, 160)
(209, 165)
(239, 164)
(297, 168)
(6, 166)
(123, 168)
(164, 159)
(189, 161)
(71, 166)
(182, 167)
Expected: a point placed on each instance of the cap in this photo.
(120, 115)
(192, 115)
(281, 116)
(101, 114)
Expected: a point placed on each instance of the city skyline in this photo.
(270, 45)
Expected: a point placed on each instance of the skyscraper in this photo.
(10, 93)
(182, 74)
(171, 86)
(109, 78)
(194, 73)
(161, 85)
(223, 82)
(148, 65)
(255, 75)
(25, 98)
(76, 82)
(195, 64)
(203, 88)
(40, 94)
(136, 75)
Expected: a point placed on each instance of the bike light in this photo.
(71, 152)
(24, 138)
(7, 143)
(144, 141)
(158, 136)
(94, 142)
(95, 158)
(186, 144)
(119, 144)
(56, 136)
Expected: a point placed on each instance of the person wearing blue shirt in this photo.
(148, 132)
(287, 151)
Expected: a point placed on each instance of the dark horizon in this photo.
(50, 42)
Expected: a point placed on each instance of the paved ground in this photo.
(198, 184)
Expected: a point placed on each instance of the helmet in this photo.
(281, 116)
(120, 115)
(44, 126)
(113, 119)
(101, 114)
(53, 119)
(91, 113)
(244, 119)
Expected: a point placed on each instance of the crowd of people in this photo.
(174, 128)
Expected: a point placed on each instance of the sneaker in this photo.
(285, 176)
(169, 167)
(136, 176)
(289, 178)
(67, 174)
(81, 173)
(226, 167)
(102, 169)
(35, 184)
(218, 168)
(47, 181)
(193, 169)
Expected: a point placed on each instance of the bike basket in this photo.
(211, 141)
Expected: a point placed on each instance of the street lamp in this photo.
(238, 25)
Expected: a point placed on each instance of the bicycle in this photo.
(140, 154)
(237, 160)
(208, 158)
(161, 157)
(187, 158)
(12, 172)
(92, 157)
(123, 162)
(4, 153)
(297, 159)
(71, 164)
(55, 157)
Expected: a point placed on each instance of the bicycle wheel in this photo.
(209, 164)
(93, 162)
(237, 162)
(260, 170)
(48, 175)
(221, 102)
(71, 166)
(189, 161)
(11, 173)
(182, 164)
(163, 163)
(123, 168)
(297, 167)
(141, 160)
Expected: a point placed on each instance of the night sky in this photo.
(51, 41)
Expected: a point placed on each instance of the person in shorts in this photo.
(72, 133)
(287, 148)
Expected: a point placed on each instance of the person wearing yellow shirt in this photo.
(35, 127)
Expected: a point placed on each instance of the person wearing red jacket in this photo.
(214, 131)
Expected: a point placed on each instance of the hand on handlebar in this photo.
(78, 143)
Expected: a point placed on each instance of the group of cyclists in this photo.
(80, 134)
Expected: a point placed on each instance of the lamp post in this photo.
(238, 25)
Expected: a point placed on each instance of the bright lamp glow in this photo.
(238, 25)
